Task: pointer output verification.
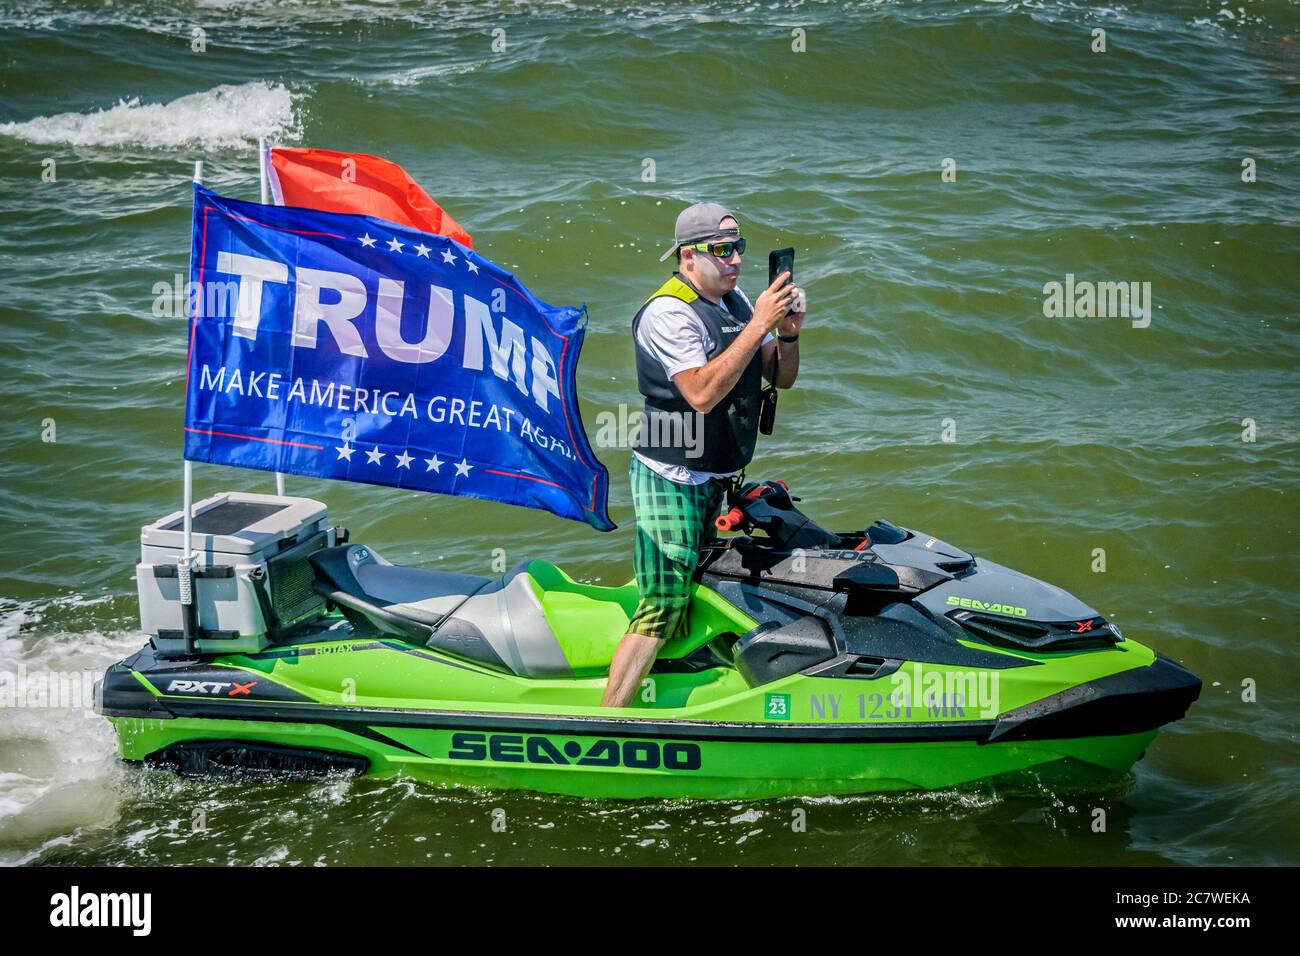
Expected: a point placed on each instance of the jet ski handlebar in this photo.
(730, 521)
(768, 506)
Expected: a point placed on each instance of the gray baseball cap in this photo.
(698, 223)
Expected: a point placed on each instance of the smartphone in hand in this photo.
(778, 261)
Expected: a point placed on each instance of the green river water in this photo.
(1173, 447)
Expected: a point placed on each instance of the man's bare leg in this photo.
(633, 659)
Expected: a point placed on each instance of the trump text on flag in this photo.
(343, 346)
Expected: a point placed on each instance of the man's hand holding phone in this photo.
(793, 321)
(773, 306)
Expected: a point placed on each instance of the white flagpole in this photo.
(185, 566)
(261, 167)
(266, 190)
(189, 466)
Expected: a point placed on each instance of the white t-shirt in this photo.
(670, 331)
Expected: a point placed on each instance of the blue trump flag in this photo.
(342, 346)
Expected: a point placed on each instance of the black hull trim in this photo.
(1134, 701)
(353, 719)
(243, 759)
(1128, 703)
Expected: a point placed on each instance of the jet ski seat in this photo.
(534, 621)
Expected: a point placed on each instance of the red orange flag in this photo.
(356, 183)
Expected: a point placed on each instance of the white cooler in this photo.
(252, 580)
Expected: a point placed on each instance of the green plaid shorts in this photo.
(672, 522)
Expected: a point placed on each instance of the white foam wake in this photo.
(58, 759)
(224, 117)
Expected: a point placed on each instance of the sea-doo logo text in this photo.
(976, 605)
(103, 909)
(516, 748)
(210, 687)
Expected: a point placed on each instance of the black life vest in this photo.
(730, 429)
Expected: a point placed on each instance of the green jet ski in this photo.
(814, 663)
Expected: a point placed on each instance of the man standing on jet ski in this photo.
(702, 353)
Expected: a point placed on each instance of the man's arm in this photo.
(789, 351)
(789, 365)
(707, 385)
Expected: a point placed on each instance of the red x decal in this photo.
(241, 689)
(1082, 626)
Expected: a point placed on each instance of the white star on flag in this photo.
(433, 464)
(447, 256)
(404, 460)
(395, 245)
(373, 456)
(471, 266)
(422, 250)
(345, 451)
(367, 241)
(463, 468)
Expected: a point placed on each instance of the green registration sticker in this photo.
(776, 706)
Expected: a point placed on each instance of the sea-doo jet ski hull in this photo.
(814, 663)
